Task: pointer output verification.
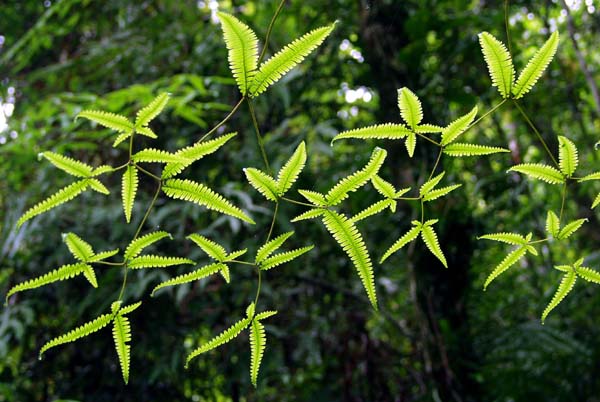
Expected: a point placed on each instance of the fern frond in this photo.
(410, 107)
(109, 120)
(90, 275)
(536, 67)
(136, 246)
(463, 149)
(281, 258)
(219, 340)
(97, 186)
(198, 193)
(313, 197)
(242, 46)
(390, 131)
(146, 131)
(121, 137)
(373, 209)
(129, 186)
(499, 63)
(431, 241)
(340, 191)
(102, 169)
(506, 263)
(103, 255)
(440, 192)
(428, 129)
(457, 127)
(153, 109)
(289, 173)
(539, 171)
(63, 195)
(552, 224)
(69, 165)
(310, 214)
(235, 254)
(156, 261)
(80, 249)
(190, 276)
(129, 308)
(213, 249)
(195, 152)
(566, 285)
(122, 336)
(592, 176)
(588, 274)
(401, 242)
(157, 156)
(271, 246)
(567, 156)
(60, 274)
(411, 144)
(287, 58)
(596, 201)
(349, 238)
(430, 184)
(262, 182)
(505, 237)
(225, 273)
(383, 187)
(258, 343)
(570, 228)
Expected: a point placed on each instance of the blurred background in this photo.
(438, 336)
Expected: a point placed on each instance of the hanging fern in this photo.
(499, 63)
(129, 186)
(536, 67)
(566, 285)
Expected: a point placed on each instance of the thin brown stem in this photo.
(155, 177)
(535, 130)
(269, 29)
(212, 130)
(259, 138)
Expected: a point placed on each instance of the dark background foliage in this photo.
(438, 336)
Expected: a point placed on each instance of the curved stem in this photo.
(259, 138)
(269, 29)
(298, 202)
(437, 162)
(428, 139)
(120, 298)
(562, 205)
(116, 264)
(422, 211)
(147, 172)
(408, 198)
(535, 130)
(137, 232)
(212, 130)
(258, 287)
(506, 26)
(486, 114)
(243, 262)
(273, 221)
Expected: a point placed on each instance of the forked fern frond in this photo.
(122, 336)
(463, 149)
(158, 156)
(570, 228)
(410, 107)
(213, 249)
(262, 182)
(536, 67)
(136, 246)
(499, 63)
(506, 263)
(109, 120)
(198, 193)
(69, 165)
(271, 246)
(390, 131)
(538, 171)
(567, 156)
(153, 109)
(242, 46)
(287, 58)
(431, 241)
(349, 238)
(219, 340)
(156, 261)
(457, 127)
(129, 186)
(281, 258)
(258, 343)
(402, 241)
(566, 285)
(290, 171)
(430, 184)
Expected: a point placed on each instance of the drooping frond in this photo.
(146, 131)
(122, 336)
(287, 58)
(313, 197)
(411, 144)
(566, 285)
(213, 249)
(506, 263)
(505, 237)
(198, 193)
(499, 63)
(430, 184)
(225, 273)
(340, 191)
(401, 242)
(431, 241)
(463, 149)
(567, 156)
(262, 182)
(271, 246)
(310, 214)
(539, 171)
(265, 314)
(588, 274)
(103, 255)
(458, 126)
(136, 246)
(129, 186)
(195, 152)
(69, 165)
(570, 228)
(158, 156)
(281, 258)
(440, 192)
(97, 186)
(129, 308)
(242, 46)
(63, 195)
(109, 120)
(79, 332)
(373, 209)
(552, 224)
(153, 109)
(410, 107)
(258, 343)
(291, 169)
(383, 187)
(536, 67)
(220, 339)
(121, 137)
(349, 238)
(156, 261)
(80, 249)
(390, 131)
(60, 274)
(592, 176)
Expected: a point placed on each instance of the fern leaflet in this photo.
(402, 241)
(122, 336)
(262, 182)
(146, 131)
(539, 171)
(310, 214)
(136, 246)
(258, 343)
(458, 126)
(588, 274)
(383, 187)
(97, 186)
(552, 224)
(373, 209)
(430, 184)
(567, 156)
(536, 67)
(129, 186)
(68, 165)
(411, 144)
(149, 112)
(291, 170)
(410, 107)
(313, 197)
(566, 285)
(431, 241)
(271, 246)
(463, 149)
(213, 249)
(103, 255)
(592, 176)
(504, 237)
(440, 192)
(570, 228)
(158, 156)
(499, 63)
(109, 120)
(80, 249)
(596, 201)
(156, 261)
(390, 131)
(506, 263)
(281, 258)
